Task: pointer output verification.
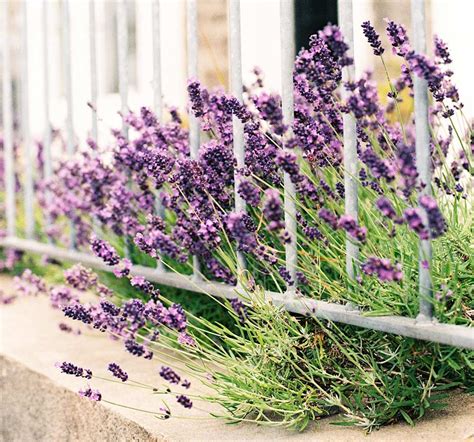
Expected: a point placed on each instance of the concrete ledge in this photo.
(40, 404)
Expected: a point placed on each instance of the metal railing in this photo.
(424, 327)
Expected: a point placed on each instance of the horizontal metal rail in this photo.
(455, 335)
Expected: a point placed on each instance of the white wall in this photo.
(451, 19)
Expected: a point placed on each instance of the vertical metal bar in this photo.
(157, 88)
(287, 49)
(157, 92)
(350, 138)
(8, 154)
(122, 58)
(93, 70)
(68, 77)
(122, 48)
(194, 127)
(423, 160)
(236, 88)
(192, 44)
(25, 125)
(69, 100)
(47, 161)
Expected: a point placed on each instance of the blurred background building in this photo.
(451, 19)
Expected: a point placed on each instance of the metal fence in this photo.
(424, 326)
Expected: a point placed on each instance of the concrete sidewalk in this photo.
(40, 404)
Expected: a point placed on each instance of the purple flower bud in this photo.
(105, 251)
(372, 37)
(272, 210)
(68, 368)
(80, 277)
(382, 268)
(413, 218)
(239, 308)
(117, 371)
(168, 374)
(184, 401)
(436, 221)
(398, 38)
(89, 393)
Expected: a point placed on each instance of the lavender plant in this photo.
(273, 367)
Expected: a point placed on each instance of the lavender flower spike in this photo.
(68, 368)
(93, 395)
(105, 251)
(373, 38)
(117, 372)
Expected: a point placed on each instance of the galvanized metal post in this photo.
(236, 88)
(47, 161)
(122, 50)
(157, 93)
(157, 89)
(8, 153)
(423, 158)
(69, 100)
(350, 139)
(194, 125)
(287, 45)
(68, 78)
(25, 126)
(93, 70)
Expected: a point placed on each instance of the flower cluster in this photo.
(117, 372)
(383, 269)
(91, 394)
(74, 370)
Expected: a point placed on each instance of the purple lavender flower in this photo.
(285, 274)
(372, 37)
(184, 401)
(89, 393)
(186, 339)
(29, 284)
(269, 107)
(123, 268)
(436, 221)
(441, 50)
(328, 217)
(168, 374)
(378, 167)
(398, 38)
(387, 209)
(105, 251)
(68, 368)
(117, 371)
(413, 218)
(239, 308)
(134, 347)
(383, 268)
(176, 318)
(349, 224)
(249, 193)
(80, 277)
(242, 229)
(78, 312)
(68, 329)
(194, 91)
(186, 384)
(272, 210)
(61, 296)
(301, 278)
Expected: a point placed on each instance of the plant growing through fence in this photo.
(273, 367)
